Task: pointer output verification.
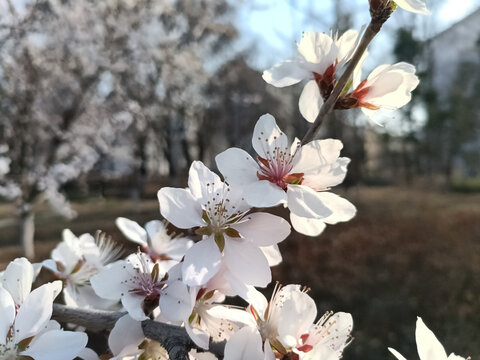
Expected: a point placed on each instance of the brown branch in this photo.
(173, 338)
(328, 105)
(93, 320)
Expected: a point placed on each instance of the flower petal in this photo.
(346, 45)
(263, 193)
(246, 292)
(17, 279)
(267, 136)
(57, 345)
(415, 6)
(297, 315)
(126, 331)
(180, 208)
(246, 344)
(305, 202)
(35, 311)
(272, 253)
(132, 230)
(247, 262)
(237, 166)
(198, 336)
(88, 354)
(317, 48)
(175, 302)
(309, 227)
(310, 101)
(108, 283)
(341, 325)
(7, 314)
(397, 354)
(428, 345)
(198, 177)
(286, 73)
(133, 304)
(342, 209)
(177, 248)
(316, 154)
(202, 261)
(263, 229)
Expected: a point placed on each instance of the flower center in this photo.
(277, 169)
(8, 351)
(147, 282)
(326, 81)
(356, 99)
(221, 210)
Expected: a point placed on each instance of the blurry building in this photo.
(452, 47)
(451, 90)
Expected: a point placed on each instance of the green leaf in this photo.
(155, 272)
(220, 240)
(232, 233)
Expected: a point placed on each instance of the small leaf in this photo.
(155, 272)
(209, 295)
(143, 345)
(220, 241)
(204, 231)
(232, 233)
(205, 217)
(77, 266)
(347, 86)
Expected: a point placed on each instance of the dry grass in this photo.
(407, 253)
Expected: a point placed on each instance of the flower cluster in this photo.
(230, 241)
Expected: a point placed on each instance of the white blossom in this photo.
(296, 176)
(231, 235)
(75, 260)
(139, 284)
(155, 241)
(320, 58)
(428, 346)
(387, 87)
(25, 325)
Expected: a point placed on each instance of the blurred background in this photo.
(104, 102)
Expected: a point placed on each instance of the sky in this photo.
(273, 26)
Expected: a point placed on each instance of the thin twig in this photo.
(328, 105)
(173, 338)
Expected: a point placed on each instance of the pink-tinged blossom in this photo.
(25, 326)
(155, 241)
(320, 58)
(230, 234)
(428, 346)
(285, 326)
(140, 286)
(324, 339)
(296, 176)
(75, 260)
(387, 87)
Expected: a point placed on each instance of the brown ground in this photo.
(407, 253)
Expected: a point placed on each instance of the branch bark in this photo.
(173, 338)
(371, 31)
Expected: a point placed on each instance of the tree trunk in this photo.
(27, 230)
